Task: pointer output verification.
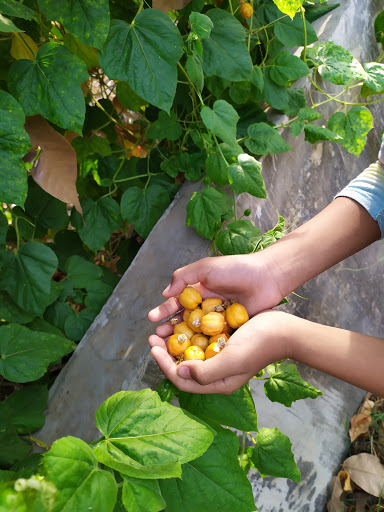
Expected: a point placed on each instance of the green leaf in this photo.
(273, 234)
(201, 24)
(82, 272)
(245, 176)
(379, 28)
(50, 86)
(26, 276)
(296, 101)
(287, 68)
(191, 164)
(57, 313)
(16, 9)
(215, 478)
(11, 312)
(296, 128)
(3, 236)
(239, 237)
(272, 455)
(289, 6)
(87, 54)
(25, 354)
(98, 294)
(314, 11)
(206, 209)
(75, 326)
(375, 76)
(6, 25)
(45, 209)
(145, 55)
(264, 139)
(194, 68)
(217, 168)
(14, 144)
(314, 133)
(101, 217)
(286, 386)
(334, 63)
(166, 127)
(291, 32)
(307, 114)
(143, 208)
(221, 120)
(225, 53)
(72, 467)
(275, 95)
(24, 409)
(12, 448)
(236, 410)
(128, 98)
(88, 20)
(67, 243)
(142, 495)
(257, 78)
(148, 438)
(353, 127)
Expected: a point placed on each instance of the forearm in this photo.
(349, 356)
(340, 230)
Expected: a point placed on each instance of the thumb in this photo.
(225, 364)
(184, 276)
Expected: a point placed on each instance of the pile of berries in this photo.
(206, 326)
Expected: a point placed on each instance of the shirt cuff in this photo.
(368, 190)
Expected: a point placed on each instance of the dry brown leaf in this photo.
(360, 422)
(360, 501)
(335, 504)
(345, 480)
(56, 168)
(169, 5)
(367, 472)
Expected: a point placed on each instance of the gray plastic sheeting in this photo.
(114, 354)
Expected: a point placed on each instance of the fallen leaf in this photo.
(361, 500)
(23, 47)
(345, 480)
(360, 422)
(169, 5)
(335, 504)
(56, 168)
(367, 472)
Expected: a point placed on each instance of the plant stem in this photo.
(37, 441)
(17, 234)
(138, 12)
(192, 84)
(234, 203)
(230, 6)
(302, 11)
(250, 29)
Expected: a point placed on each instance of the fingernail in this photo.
(167, 289)
(184, 372)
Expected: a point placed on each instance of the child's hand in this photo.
(259, 342)
(246, 278)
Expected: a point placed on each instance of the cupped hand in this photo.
(262, 340)
(246, 278)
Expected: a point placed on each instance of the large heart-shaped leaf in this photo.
(145, 55)
(289, 6)
(286, 386)
(236, 410)
(215, 478)
(239, 237)
(225, 53)
(287, 68)
(245, 176)
(50, 86)
(143, 208)
(25, 354)
(72, 467)
(88, 20)
(272, 455)
(221, 120)
(17, 9)
(148, 438)
(264, 139)
(352, 127)
(139, 495)
(26, 276)
(375, 76)
(24, 409)
(14, 144)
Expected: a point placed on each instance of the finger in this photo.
(168, 308)
(166, 329)
(189, 275)
(156, 341)
(222, 366)
(168, 367)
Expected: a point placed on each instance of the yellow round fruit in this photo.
(236, 315)
(177, 344)
(190, 298)
(212, 323)
(194, 320)
(210, 304)
(246, 10)
(183, 328)
(194, 353)
(214, 348)
(186, 314)
(222, 337)
(199, 340)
